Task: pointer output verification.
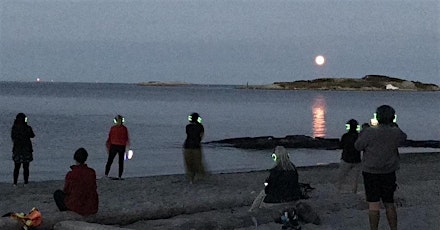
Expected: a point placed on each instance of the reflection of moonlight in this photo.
(319, 60)
(319, 110)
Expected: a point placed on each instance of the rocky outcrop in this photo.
(369, 82)
(301, 141)
(269, 142)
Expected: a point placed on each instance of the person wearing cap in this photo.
(80, 190)
(22, 151)
(116, 144)
(192, 148)
(350, 158)
(380, 161)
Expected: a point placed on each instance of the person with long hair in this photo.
(22, 151)
(380, 161)
(282, 185)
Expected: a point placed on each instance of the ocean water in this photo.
(66, 116)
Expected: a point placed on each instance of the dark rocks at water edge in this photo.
(301, 141)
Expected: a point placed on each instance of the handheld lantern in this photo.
(128, 155)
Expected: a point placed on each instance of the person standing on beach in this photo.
(22, 151)
(80, 190)
(380, 162)
(192, 149)
(350, 157)
(116, 144)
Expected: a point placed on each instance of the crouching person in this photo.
(80, 190)
(282, 188)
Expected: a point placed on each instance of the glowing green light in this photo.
(274, 157)
(199, 119)
(358, 127)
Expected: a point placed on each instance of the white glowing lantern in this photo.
(128, 155)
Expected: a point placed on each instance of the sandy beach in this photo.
(221, 201)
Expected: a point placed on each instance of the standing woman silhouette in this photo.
(21, 134)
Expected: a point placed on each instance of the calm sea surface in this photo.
(66, 116)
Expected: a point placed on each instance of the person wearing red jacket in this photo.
(80, 190)
(116, 144)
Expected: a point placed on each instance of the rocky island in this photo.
(368, 82)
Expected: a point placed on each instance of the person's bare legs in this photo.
(391, 215)
(374, 215)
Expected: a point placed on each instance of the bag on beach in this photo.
(31, 220)
(289, 219)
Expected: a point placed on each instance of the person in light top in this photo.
(116, 144)
(380, 161)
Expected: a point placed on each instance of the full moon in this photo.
(319, 60)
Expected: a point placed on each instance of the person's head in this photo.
(119, 120)
(281, 158)
(80, 155)
(385, 114)
(20, 118)
(364, 126)
(195, 117)
(352, 125)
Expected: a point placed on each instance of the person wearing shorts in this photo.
(380, 161)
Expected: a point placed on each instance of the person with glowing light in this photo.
(282, 184)
(22, 151)
(116, 144)
(380, 161)
(192, 148)
(80, 190)
(350, 157)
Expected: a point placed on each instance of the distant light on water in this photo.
(319, 109)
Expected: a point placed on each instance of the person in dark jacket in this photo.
(380, 161)
(80, 190)
(117, 142)
(22, 151)
(350, 157)
(282, 185)
(192, 148)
